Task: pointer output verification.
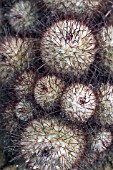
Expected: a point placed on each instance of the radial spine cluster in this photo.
(68, 45)
(48, 144)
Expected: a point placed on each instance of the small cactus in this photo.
(47, 91)
(23, 16)
(105, 104)
(16, 52)
(78, 102)
(101, 141)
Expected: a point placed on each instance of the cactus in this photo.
(23, 16)
(105, 99)
(78, 102)
(48, 144)
(47, 91)
(16, 52)
(68, 45)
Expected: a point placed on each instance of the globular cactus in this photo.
(102, 141)
(24, 85)
(105, 104)
(24, 110)
(48, 144)
(78, 102)
(23, 16)
(68, 46)
(15, 52)
(106, 42)
(48, 91)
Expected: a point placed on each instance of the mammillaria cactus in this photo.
(24, 85)
(16, 52)
(68, 45)
(48, 90)
(105, 104)
(107, 53)
(6, 73)
(24, 110)
(48, 144)
(101, 141)
(78, 102)
(23, 15)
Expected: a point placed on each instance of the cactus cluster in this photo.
(56, 84)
